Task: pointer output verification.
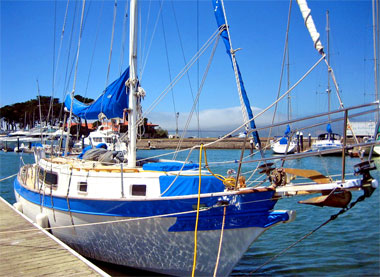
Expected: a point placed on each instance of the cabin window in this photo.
(97, 139)
(82, 187)
(109, 140)
(48, 177)
(138, 190)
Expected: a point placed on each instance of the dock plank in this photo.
(36, 253)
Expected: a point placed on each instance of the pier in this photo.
(28, 250)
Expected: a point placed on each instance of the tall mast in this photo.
(288, 82)
(133, 85)
(375, 29)
(328, 60)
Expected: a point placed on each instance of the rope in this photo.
(332, 217)
(6, 178)
(220, 241)
(197, 218)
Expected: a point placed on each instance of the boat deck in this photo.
(36, 252)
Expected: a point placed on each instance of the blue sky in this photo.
(31, 30)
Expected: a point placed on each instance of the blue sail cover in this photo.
(287, 131)
(328, 128)
(219, 15)
(111, 102)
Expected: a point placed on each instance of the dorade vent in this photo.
(50, 178)
(138, 190)
(82, 187)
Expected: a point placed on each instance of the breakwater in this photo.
(227, 143)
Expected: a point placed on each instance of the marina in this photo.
(267, 195)
(26, 249)
(340, 248)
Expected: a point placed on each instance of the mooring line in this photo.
(6, 178)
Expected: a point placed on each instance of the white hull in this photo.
(146, 243)
(321, 145)
(279, 148)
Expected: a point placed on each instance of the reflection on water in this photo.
(347, 246)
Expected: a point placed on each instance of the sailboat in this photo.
(329, 140)
(284, 145)
(170, 217)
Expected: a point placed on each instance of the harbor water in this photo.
(346, 246)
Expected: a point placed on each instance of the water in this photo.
(347, 246)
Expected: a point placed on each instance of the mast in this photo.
(132, 83)
(328, 60)
(288, 82)
(375, 27)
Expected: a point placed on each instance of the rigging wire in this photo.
(151, 40)
(60, 49)
(332, 217)
(144, 43)
(75, 78)
(197, 97)
(53, 77)
(110, 54)
(181, 73)
(286, 51)
(168, 63)
(183, 54)
(67, 79)
(125, 16)
(93, 50)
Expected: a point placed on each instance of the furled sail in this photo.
(111, 102)
(306, 14)
(221, 21)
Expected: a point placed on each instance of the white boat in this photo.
(328, 141)
(284, 145)
(171, 217)
(26, 139)
(104, 135)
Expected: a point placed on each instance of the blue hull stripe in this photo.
(246, 210)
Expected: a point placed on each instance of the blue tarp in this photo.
(111, 102)
(219, 15)
(169, 166)
(187, 185)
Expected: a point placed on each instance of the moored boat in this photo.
(171, 217)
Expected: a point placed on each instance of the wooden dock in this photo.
(36, 252)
